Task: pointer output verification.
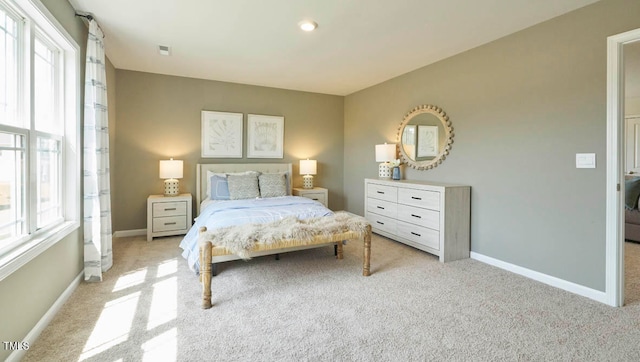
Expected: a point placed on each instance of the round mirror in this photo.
(425, 137)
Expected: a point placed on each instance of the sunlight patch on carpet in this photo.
(164, 303)
(113, 326)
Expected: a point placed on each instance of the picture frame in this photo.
(427, 141)
(265, 136)
(221, 134)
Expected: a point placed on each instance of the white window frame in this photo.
(37, 16)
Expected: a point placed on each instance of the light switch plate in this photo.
(585, 160)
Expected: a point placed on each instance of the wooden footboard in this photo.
(206, 253)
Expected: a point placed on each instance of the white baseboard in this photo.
(544, 278)
(127, 233)
(33, 335)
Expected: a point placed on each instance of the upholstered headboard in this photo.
(202, 168)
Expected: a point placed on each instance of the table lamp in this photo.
(308, 168)
(384, 154)
(171, 170)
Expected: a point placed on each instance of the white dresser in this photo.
(434, 217)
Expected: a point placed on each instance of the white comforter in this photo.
(238, 212)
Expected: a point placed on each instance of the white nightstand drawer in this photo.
(171, 223)
(420, 235)
(381, 207)
(382, 223)
(318, 196)
(382, 192)
(162, 209)
(317, 193)
(420, 198)
(419, 216)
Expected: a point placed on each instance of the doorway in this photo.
(614, 288)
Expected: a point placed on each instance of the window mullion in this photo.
(32, 139)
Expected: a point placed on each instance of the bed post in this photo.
(367, 252)
(339, 250)
(205, 268)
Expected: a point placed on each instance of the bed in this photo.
(227, 230)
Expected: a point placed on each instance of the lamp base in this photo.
(307, 182)
(171, 187)
(384, 171)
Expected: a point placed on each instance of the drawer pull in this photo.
(379, 222)
(315, 199)
(380, 192)
(380, 207)
(170, 209)
(416, 198)
(418, 216)
(416, 234)
(170, 223)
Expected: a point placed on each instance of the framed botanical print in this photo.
(221, 134)
(428, 141)
(265, 136)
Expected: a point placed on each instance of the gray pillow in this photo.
(243, 186)
(272, 184)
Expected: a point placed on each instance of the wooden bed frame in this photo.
(209, 254)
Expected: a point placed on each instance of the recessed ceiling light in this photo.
(308, 25)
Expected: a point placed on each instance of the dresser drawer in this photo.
(170, 223)
(381, 192)
(381, 207)
(382, 223)
(176, 208)
(419, 216)
(421, 235)
(419, 198)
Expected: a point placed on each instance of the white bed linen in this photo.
(218, 214)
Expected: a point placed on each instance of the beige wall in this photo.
(632, 106)
(521, 107)
(158, 117)
(27, 294)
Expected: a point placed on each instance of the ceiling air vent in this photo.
(164, 50)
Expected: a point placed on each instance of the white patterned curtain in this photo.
(98, 256)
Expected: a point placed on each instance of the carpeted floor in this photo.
(309, 306)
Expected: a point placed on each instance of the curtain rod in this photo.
(87, 16)
(90, 17)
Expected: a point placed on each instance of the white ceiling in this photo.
(359, 43)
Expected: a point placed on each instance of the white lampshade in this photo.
(170, 168)
(385, 152)
(308, 167)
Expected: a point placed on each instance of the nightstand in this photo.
(317, 193)
(168, 215)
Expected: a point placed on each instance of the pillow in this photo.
(243, 186)
(211, 174)
(219, 188)
(272, 184)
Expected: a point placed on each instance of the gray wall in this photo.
(27, 294)
(521, 107)
(158, 117)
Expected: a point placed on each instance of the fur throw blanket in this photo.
(241, 239)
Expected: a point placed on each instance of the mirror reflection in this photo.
(425, 137)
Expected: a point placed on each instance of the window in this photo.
(39, 128)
